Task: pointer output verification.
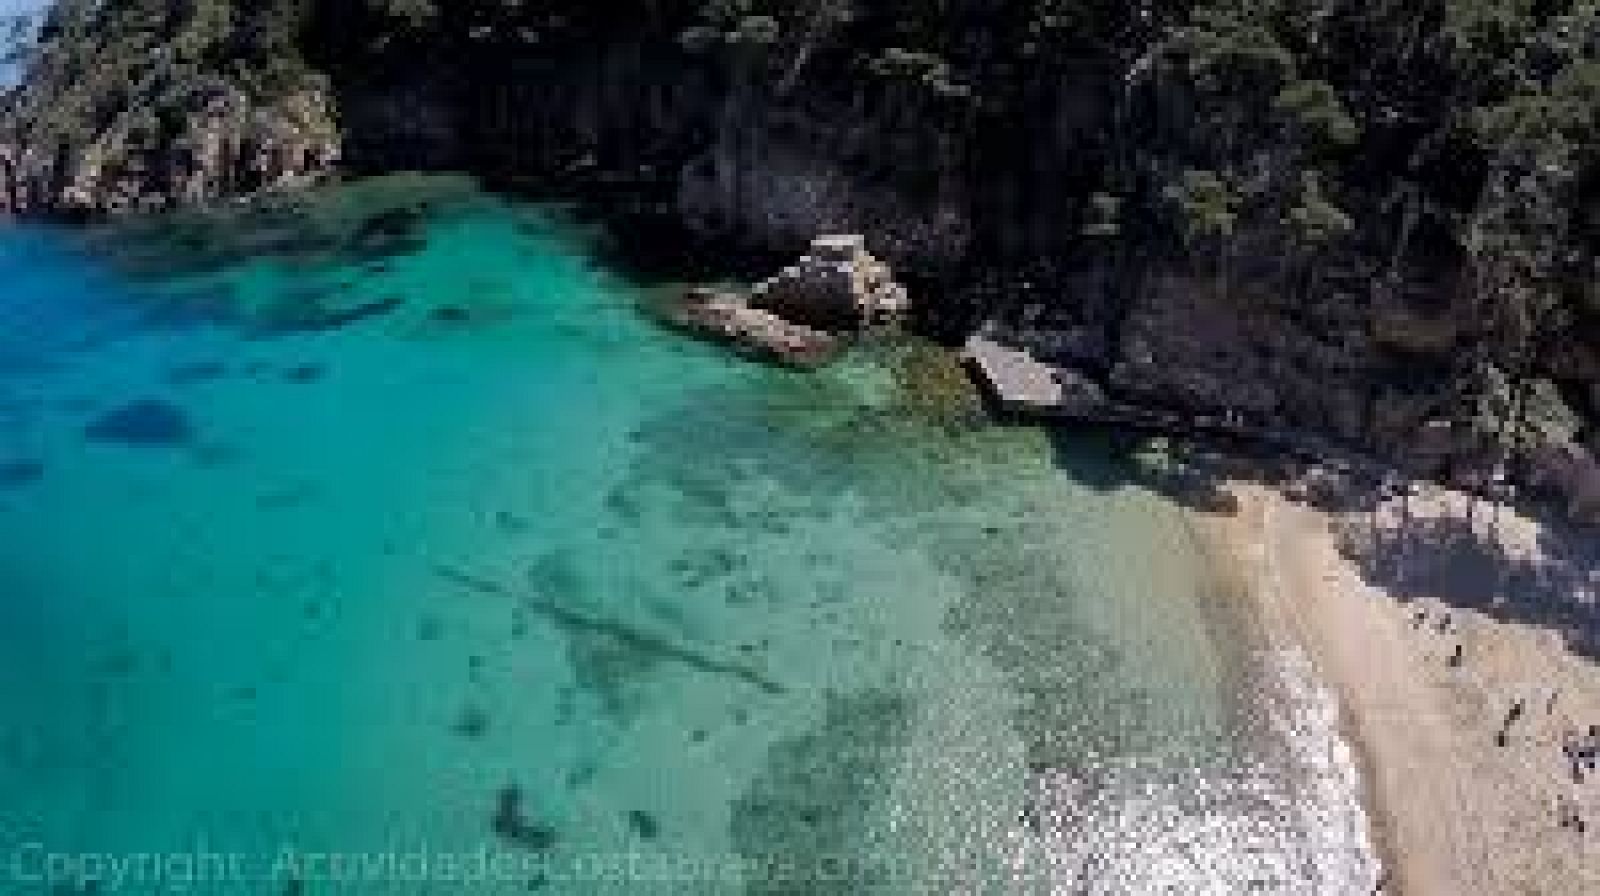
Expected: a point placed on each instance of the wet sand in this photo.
(1458, 696)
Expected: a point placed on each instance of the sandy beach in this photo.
(1460, 645)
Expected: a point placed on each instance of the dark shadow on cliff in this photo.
(657, 250)
(1467, 561)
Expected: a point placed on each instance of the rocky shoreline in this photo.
(231, 145)
(1332, 339)
(1190, 367)
(1036, 372)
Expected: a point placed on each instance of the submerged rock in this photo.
(644, 825)
(511, 523)
(305, 373)
(15, 473)
(486, 303)
(818, 792)
(472, 723)
(143, 422)
(197, 372)
(450, 314)
(311, 313)
(394, 231)
(511, 826)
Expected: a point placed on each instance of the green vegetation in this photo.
(95, 60)
(1287, 108)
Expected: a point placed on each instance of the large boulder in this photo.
(837, 285)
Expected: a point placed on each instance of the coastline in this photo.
(1458, 799)
(1283, 600)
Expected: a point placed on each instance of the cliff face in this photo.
(145, 104)
(730, 159)
(225, 145)
(937, 183)
(777, 174)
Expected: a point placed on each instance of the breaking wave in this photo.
(1286, 819)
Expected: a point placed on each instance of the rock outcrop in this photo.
(804, 314)
(228, 145)
(729, 318)
(837, 285)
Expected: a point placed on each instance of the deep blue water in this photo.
(382, 544)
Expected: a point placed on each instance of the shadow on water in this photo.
(181, 265)
(366, 222)
(1189, 474)
(1451, 554)
(301, 310)
(656, 250)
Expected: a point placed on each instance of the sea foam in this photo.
(1286, 819)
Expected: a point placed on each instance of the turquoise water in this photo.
(381, 543)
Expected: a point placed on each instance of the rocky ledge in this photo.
(803, 315)
(728, 317)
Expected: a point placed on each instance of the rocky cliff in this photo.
(1375, 226)
(139, 106)
(227, 144)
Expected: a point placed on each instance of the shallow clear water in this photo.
(476, 580)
